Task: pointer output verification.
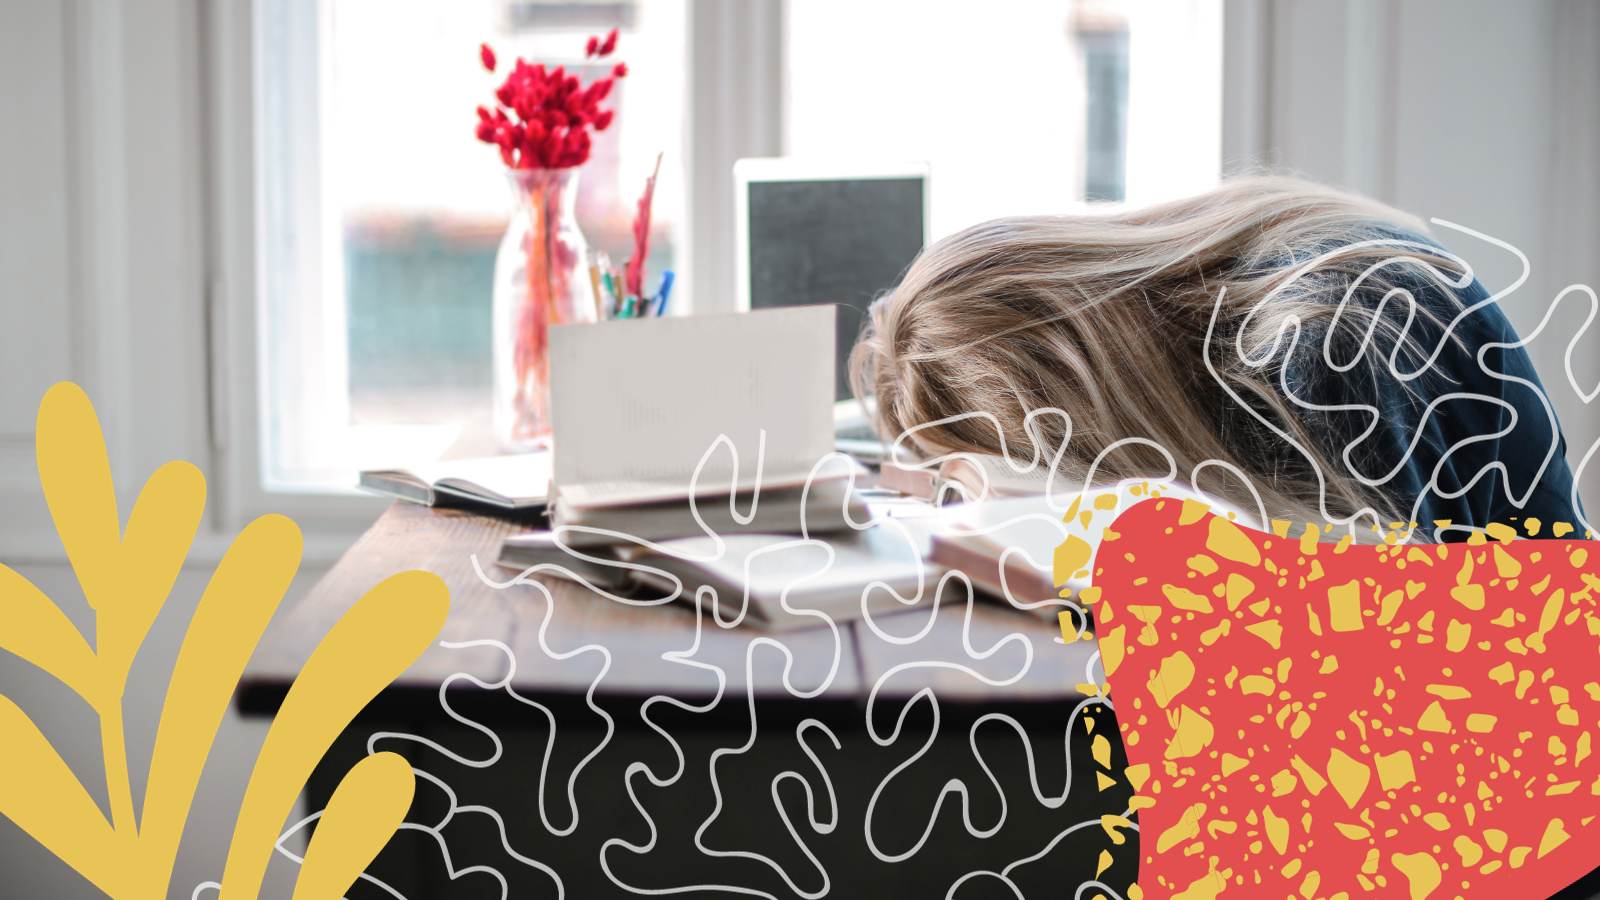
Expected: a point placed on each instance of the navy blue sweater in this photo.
(1492, 452)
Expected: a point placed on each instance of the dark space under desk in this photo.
(965, 732)
(646, 711)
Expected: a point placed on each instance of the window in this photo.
(380, 214)
(1103, 44)
(1021, 107)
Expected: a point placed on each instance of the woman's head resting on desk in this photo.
(1199, 326)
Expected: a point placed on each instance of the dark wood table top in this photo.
(561, 645)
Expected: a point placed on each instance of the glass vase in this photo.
(541, 279)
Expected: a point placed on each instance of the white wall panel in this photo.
(1482, 113)
(35, 290)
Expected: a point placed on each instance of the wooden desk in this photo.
(647, 709)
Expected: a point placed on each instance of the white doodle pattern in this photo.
(797, 882)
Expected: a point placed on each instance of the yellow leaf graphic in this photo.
(382, 634)
(365, 809)
(126, 576)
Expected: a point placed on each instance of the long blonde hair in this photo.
(1109, 319)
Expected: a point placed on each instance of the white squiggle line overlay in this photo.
(1293, 323)
(707, 597)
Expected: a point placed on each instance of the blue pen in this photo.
(664, 292)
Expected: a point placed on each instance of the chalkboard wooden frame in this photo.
(750, 170)
(754, 239)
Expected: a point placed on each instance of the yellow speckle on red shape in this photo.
(1193, 735)
(1270, 631)
(1175, 676)
(1193, 511)
(1434, 719)
(1395, 771)
(1229, 541)
(1186, 828)
(1348, 776)
(1554, 836)
(1421, 871)
(1469, 595)
(1434, 794)
(1344, 607)
(1353, 832)
(1185, 599)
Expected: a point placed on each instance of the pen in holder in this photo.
(619, 293)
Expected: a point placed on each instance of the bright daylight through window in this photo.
(380, 214)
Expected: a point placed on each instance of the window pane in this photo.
(1027, 106)
(421, 204)
(1105, 65)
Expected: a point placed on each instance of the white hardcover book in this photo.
(637, 404)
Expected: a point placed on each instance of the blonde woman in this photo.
(1290, 349)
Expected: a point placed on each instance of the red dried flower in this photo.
(544, 117)
(487, 55)
(633, 272)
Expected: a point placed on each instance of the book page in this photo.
(642, 400)
(714, 482)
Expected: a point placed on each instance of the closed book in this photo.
(972, 476)
(786, 510)
(775, 582)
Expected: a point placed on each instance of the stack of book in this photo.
(716, 424)
(696, 453)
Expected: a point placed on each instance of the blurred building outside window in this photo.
(1103, 43)
(1022, 107)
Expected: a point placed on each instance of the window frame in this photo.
(729, 39)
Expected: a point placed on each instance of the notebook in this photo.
(638, 405)
(520, 482)
(754, 571)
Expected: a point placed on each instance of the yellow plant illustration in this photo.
(126, 576)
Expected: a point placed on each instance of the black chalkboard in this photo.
(842, 242)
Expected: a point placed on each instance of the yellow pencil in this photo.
(594, 280)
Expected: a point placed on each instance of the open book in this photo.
(779, 581)
(520, 482)
(1031, 555)
(639, 405)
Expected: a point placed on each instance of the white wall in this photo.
(106, 253)
(1481, 113)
